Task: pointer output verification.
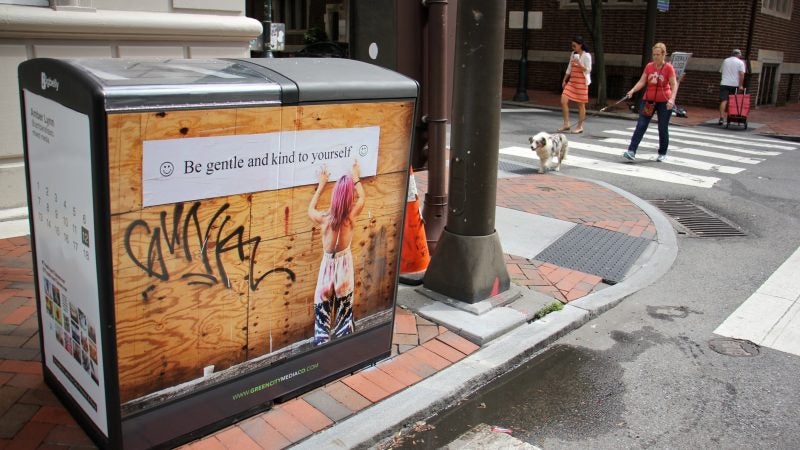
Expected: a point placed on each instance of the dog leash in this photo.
(594, 114)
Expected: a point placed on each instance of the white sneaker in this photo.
(661, 158)
(629, 155)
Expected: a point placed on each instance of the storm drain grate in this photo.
(516, 168)
(696, 220)
(597, 251)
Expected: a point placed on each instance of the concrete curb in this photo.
(441, 390)
(618, 113)
(785, 137)
(650, 266)
(478, 327)
(502, 354)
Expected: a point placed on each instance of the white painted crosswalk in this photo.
(632, 170)
(676, 160)
(698, 142)
(720, 137)
(695, 156)
(647, 143)
(771, 316)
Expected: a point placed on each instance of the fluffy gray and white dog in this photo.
(548, 146)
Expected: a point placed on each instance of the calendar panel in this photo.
(59, 160)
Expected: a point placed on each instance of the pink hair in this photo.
(341, 201)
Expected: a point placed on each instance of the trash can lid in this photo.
(171, 84)
(322, 80)
(179, 83)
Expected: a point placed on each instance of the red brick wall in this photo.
(707, 29)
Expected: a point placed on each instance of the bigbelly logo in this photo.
(48, 82)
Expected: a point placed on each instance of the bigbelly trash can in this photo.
(192, 264)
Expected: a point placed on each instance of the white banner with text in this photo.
(179, 170)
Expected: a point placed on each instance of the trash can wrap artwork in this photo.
(189, 253)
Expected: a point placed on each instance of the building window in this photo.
(620, 4)
(778, 8)
(294, 13)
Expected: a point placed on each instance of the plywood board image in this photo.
(230, 280)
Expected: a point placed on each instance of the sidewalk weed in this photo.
(552, 307)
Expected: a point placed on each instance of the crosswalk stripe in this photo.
(720, 137)
(697, 142)
(770, 317)
(676, 160)
(693, 143)
(676, 137)
(692, 151)
(633, 170)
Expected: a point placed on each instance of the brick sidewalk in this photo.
(571, 200)
(31, 416)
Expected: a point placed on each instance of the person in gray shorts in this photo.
(732, 71)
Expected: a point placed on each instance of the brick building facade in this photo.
(764, 30)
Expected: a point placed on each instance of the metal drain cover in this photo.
(733, 347)
(516, 168)
(597, 251)
(697, 221)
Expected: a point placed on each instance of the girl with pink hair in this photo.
(333, 297)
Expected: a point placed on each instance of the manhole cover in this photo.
(697, 221)
(733, 347)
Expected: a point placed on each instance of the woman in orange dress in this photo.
(576, 83)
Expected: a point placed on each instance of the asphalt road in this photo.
(644, 374)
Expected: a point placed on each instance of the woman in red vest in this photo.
(662, 87)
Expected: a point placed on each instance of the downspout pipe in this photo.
(435, 203)
(749, 47)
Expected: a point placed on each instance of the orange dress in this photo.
(577, 89)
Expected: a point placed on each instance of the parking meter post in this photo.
(435, 205)
(468, 264)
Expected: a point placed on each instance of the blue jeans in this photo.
(664, 115)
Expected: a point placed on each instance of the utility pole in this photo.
(468, 264)
(522, 80)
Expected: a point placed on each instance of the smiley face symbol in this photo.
(363, 150)
(166, 168)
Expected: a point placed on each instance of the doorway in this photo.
(766, 84)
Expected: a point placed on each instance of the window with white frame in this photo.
(567, 4)
(778, 8)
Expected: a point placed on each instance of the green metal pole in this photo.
(468, 264)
